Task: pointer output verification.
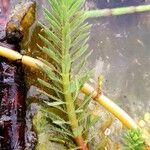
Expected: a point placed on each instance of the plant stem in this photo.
(117, 11)
(87, 89)
(71, 112)
(79, 140)
(13, 55)
(110, 106)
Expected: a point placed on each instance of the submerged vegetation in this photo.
(64, 116)
(133, 140)
(66, 41)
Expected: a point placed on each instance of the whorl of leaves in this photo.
(133, 140)
(66, 37)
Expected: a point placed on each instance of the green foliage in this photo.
(133, 140)
(45, 136)
(40, 125)
(66, 38)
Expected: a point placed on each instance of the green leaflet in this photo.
(83, 117)
(62, 131)
(77, 21)
(54, 104)
(81, 30)
(79, 111)
(79, 52)
(91, 120)
(49, 33)
(51, 54)
(80, 65)
(75, 6)
(54, 117)
(74, 86)
(52, 76)
(58, 122)
(81, 39)
(85, 102)
(53, 20)
(55, 7)
(85, 77)
(76, 93)
(48, 44)
(66, 63)
(53, 98)
(50, 96)
(66, 39)
(78, 131)
(63, 141)
(50, 86)
(50, 65)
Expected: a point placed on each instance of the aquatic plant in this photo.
(65, 39)
(66, 42)
(133, 140)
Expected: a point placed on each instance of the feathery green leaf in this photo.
(66, 39)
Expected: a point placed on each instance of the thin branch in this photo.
(86, 89)
(110, 106)
(117, 11)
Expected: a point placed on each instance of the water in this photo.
(121, 45)
(121, 52)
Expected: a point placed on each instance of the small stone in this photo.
(107, 132)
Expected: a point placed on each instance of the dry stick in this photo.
(110, 106)
(86, 89)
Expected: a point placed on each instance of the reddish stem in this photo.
(80, 142)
